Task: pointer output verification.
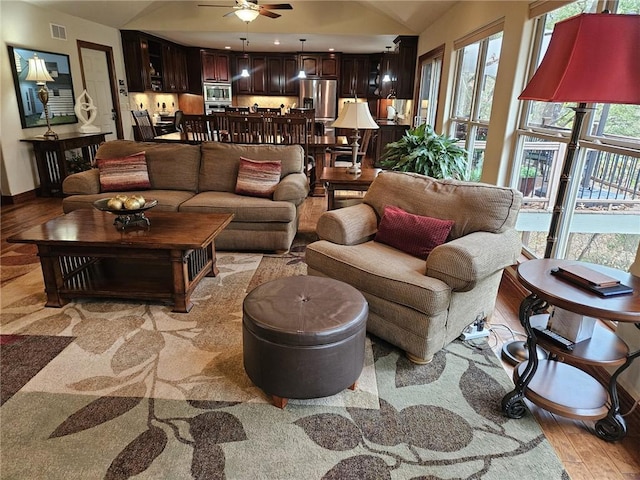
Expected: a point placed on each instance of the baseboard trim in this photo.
(599, 373)
(20, 198)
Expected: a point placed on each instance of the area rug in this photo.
(132, 390)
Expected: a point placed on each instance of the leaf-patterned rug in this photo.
(126, 399)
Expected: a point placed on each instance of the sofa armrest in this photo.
(348, 226)
(463, 262)
(292, 188)
(82, 183)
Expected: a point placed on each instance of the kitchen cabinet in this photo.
(387, 133)
(282, 75)
(215, 66)
(354, 76)
(400, 65)
(320, 65)
(153, 64)
(269, 75)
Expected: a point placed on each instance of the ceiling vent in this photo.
(58, 31)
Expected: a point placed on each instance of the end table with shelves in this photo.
(51, 157)
(563, 388)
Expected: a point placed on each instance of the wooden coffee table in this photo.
(83, 254)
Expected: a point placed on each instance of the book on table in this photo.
(592, 280)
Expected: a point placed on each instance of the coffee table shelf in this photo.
(83, 254)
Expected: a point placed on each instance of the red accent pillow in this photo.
(124, 174)
(258, 179)
(414, 234)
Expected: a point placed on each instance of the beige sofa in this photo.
(417, 305)
(202, 178)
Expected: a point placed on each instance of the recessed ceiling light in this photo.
(276, 42)
(332, 49)
(227, 47)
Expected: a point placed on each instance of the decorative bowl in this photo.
(126, 217)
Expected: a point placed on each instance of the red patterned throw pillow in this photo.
(258, 179)
(414, 234)
(124, 174)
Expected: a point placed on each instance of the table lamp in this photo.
(591, 58)
(356, 116)
(38, 73)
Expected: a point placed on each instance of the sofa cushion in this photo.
(245, 209)
(124, 173)
(170, 166)
(221, 162)
(472, 206)
(258, 178)
(416, 235)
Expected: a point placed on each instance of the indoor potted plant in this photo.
(528, 176)
(421, 150)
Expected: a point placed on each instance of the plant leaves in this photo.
(142, 346)
(136, 457)
(361, 467)
(98, 412)
(331, 431)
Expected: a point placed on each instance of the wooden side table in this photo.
(562, 388)
(338, 178)
(51, 159)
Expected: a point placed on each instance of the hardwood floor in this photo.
(585, 456)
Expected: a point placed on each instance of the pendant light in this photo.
(301, 73)
(245, 72)
(386, 77)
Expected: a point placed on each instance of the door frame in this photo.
(112, 78)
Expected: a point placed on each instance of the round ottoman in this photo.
(304, 337)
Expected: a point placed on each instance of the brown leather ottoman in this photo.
(304, 337)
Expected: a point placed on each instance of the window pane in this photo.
(617, 122)
(489, 76)
(466, 81)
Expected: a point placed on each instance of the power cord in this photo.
(632, 409)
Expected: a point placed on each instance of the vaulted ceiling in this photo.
(363, 26)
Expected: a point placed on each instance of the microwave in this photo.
(219, 93)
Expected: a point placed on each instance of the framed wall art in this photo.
(61, 98)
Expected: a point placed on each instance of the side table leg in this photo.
(513, 402)
(613, 427)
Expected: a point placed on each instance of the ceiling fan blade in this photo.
(278, 6)
(269, 14)
(209, 5)
(229, 14)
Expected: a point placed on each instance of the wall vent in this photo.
(58, 31)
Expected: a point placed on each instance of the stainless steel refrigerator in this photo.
(321, 95)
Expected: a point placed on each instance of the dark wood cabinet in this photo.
(387, 133)
(354, 76)
(396, 69)
(242, 85)
(320, 65)
(282, 75)
(215, 66)
(154, 64)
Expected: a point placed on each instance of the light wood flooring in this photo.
(584, 455)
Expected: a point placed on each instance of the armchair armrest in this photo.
(82, 183)
(462, 262)
(348, 226)
(292, 188)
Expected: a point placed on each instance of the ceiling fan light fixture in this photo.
(247, 14)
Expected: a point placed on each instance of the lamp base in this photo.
(355, 168)
(51, 135)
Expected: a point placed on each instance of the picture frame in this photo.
(61, 97)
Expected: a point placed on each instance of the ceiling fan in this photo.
(248, 10)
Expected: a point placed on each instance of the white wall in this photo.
(25, 25)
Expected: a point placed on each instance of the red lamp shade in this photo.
(592, 58)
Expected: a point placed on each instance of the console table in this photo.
(51, 159)
(562, 388)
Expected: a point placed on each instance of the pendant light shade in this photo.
(244, 73)
(301, 73)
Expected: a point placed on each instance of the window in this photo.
(430, 74)
(477, 60)
(602, 206)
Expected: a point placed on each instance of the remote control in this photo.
(554, 338)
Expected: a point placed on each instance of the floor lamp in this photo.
(355, 116)
(591, 58)
(38, 73)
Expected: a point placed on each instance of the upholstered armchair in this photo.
(417, 304)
